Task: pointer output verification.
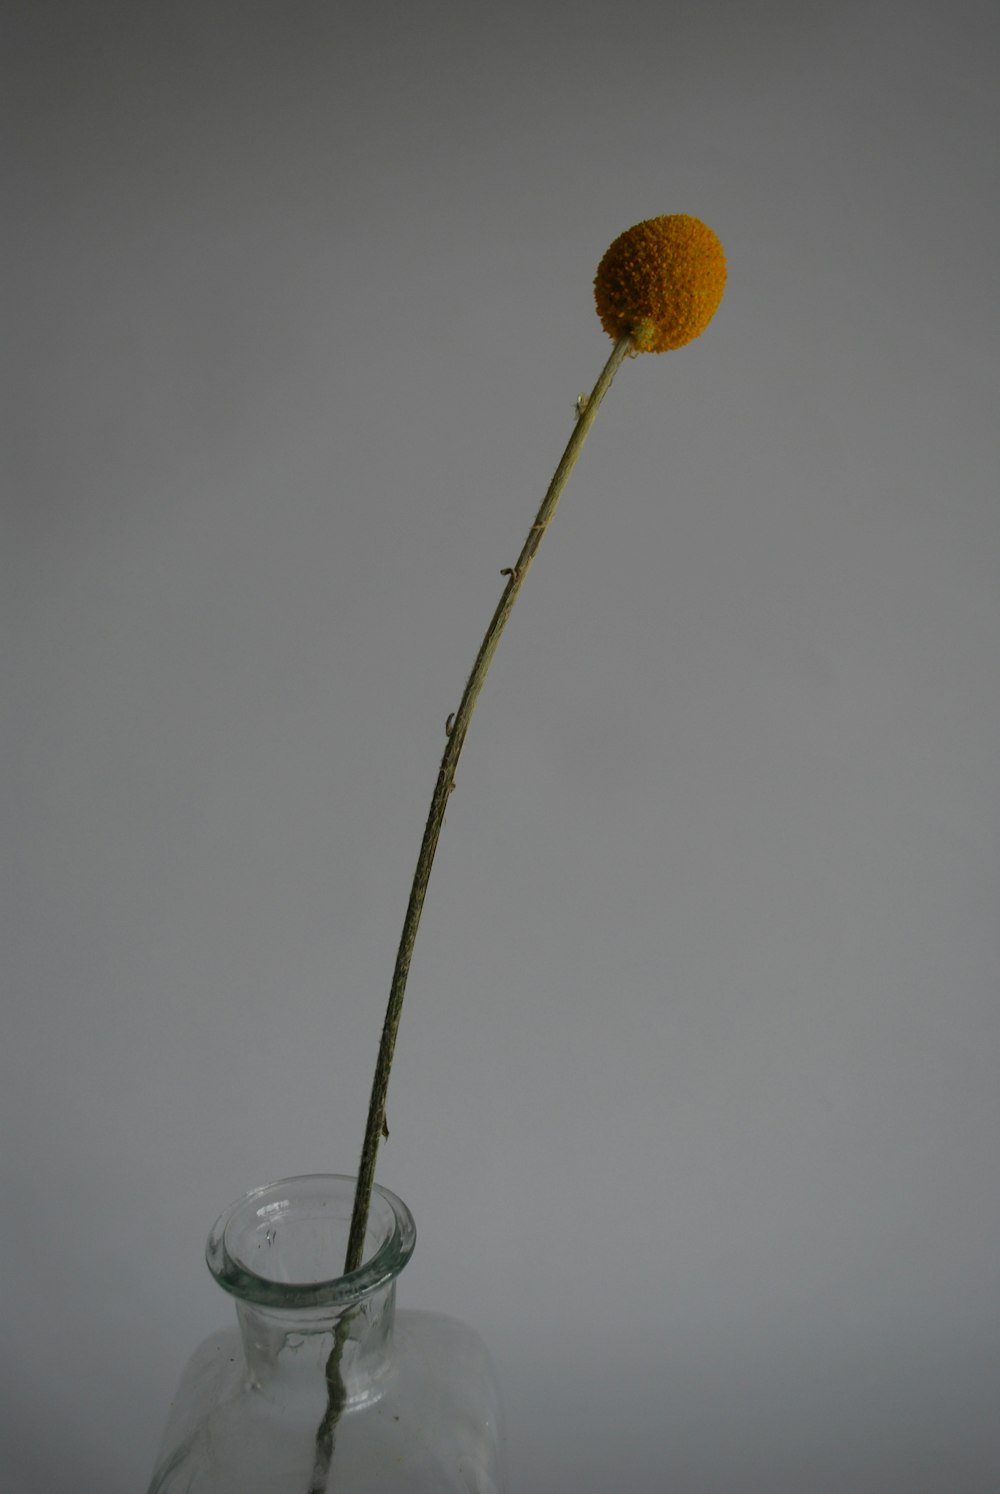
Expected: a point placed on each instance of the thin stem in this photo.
(336, 1396)
(457, 728)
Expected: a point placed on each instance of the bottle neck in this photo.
(287, 1350)
(279, 1252)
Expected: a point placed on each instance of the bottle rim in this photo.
(243, 1251)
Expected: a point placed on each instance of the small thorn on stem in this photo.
(511, 571)
(385, 1129)
(449, 725)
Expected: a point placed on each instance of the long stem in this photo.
(457, 728)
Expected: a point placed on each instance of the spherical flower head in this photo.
(661, 282)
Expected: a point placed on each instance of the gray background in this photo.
(696, 1099)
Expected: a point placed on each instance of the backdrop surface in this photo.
(695, 1101)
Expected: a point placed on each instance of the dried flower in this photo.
(661, 282)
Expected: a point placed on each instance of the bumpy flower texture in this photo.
(661, 282)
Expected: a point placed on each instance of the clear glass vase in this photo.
(420, 1409)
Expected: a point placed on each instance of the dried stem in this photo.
(457, 727)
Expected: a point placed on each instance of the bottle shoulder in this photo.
(435, 1426)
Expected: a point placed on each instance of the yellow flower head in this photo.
(661, 282)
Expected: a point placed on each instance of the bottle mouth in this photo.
(284, 1245)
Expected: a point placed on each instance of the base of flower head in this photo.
(644, 336)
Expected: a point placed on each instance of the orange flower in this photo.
(661, 282)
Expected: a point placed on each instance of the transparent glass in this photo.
(421, 1410)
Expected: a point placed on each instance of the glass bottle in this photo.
(421, 1410)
